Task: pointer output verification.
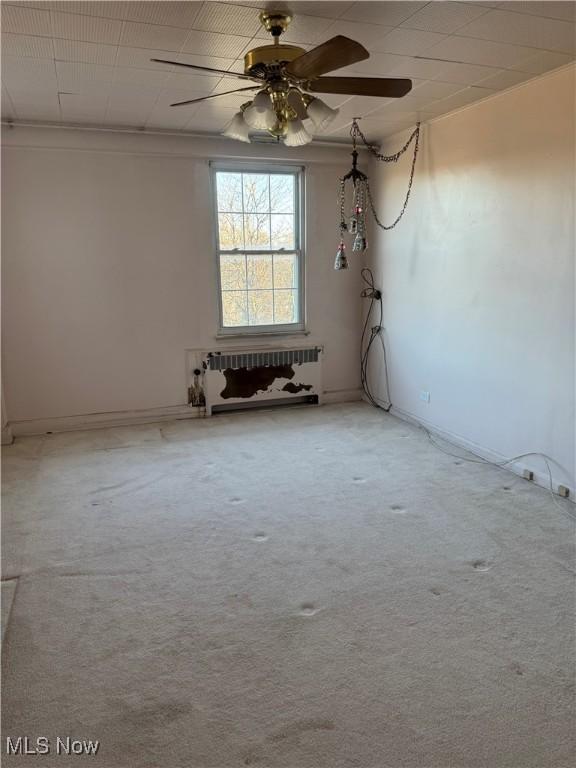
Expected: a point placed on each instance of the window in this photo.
(259, 222)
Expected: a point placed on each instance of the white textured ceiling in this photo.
(89, 62)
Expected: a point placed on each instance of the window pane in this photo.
(233, 272)
(234, 308)
(282, 193)
(285, 271)
(260, 307)
(256, 194)
(259, 271)
(231, 231)
(229, 190)
(285, 307)
(282, 226)
(257, 231)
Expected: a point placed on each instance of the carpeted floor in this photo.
(303, 588)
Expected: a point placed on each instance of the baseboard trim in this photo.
(103, 420)
(130, 418)
(7, 435)
(341, 396)
(541, 478)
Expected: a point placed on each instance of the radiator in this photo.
(246, 378)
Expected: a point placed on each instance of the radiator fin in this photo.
(220, 362)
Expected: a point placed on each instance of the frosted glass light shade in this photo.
(320, 113)
(237, 129)
(296, 134)
(260, 114)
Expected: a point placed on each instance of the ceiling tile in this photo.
(75, 76)
(432, 90)
(130, 118)
(368, 35)
(28, 74)
(213, 44)
(404, 39)
(171, 14)
(543, 61)
(7, 108)
(90, 29)
(523, 29)
(462, 98)
(231, 83)
(213, 62)
(89, 53)
(124, 95)
(467, 74)
(423, 68)
(408, 42)
(26, 21)
(169, 119)
(223, 17)
(142, 58)
(194, 83)
(378, 65)
(399, 107)
(334, 100)
(471, 51)
(27, 46)
(83, 108)
(107, 9)
(391, 14)
(36, 104)
(358, 106)
(169, 96)
(549, 8)
(444, 17)
(506, 78)
(152, 36)
(330, 10)
(133, 76)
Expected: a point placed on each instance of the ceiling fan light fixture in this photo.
(296, 134)
(260, 114)
(237, 129)
(320, 113)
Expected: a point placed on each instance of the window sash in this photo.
(297, 250)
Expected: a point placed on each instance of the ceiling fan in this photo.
(284, 74)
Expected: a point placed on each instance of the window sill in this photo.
(259, 334)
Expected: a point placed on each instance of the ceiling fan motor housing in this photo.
(269, 59)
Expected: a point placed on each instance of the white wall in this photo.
(109, 269)
(478, 278)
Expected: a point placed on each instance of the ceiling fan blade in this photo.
(214, 95)
(334, 54)
(390, 87)
(222, 72)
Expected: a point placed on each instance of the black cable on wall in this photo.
(367, 341)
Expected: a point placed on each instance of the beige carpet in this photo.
(304, 588)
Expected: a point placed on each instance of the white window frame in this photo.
(275, 329)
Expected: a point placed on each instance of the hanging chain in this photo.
(414, 137)
(355, 132)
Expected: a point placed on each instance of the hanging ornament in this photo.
(341, 260)
(360, 243)
(362, 196)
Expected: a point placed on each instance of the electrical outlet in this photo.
(425, 396)
(528, 474)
